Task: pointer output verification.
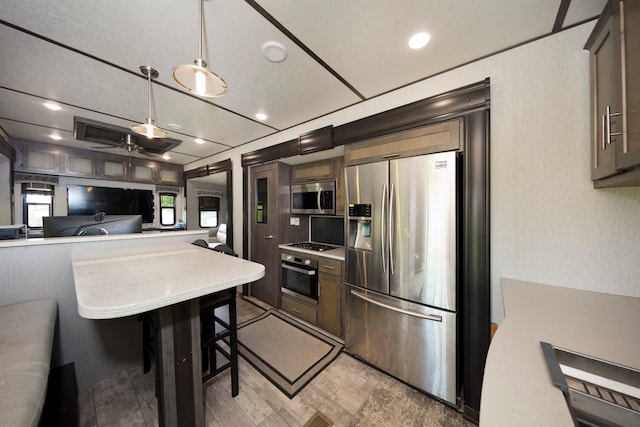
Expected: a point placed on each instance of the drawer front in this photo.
(330, 266)
(299, 309)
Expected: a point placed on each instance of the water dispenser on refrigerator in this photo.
(360, 226)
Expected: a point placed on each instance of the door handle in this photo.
(391, 218)
(269, 237)
(299, 270)
(383, 228)
(433, 317)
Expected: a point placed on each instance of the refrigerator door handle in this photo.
(432, 317)
(383, 224)
(390, 225)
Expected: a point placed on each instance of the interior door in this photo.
(264, 233)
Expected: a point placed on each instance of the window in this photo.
(167, 208)
(208, 207)
(37, 202)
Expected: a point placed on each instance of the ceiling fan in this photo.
(128, 143)
(116, 136)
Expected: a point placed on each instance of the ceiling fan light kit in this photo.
(196, 78)
(149, 128)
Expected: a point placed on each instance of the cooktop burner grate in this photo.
(311, 246)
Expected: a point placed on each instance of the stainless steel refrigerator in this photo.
(401, 264)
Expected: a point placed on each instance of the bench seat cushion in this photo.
(26, 339)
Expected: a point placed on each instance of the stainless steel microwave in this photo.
(314, 198)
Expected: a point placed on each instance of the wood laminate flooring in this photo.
(348, 392)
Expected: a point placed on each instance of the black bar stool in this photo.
(214, 330)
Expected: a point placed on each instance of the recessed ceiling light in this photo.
(419, 40)
(52, 106)
(174, 126)
(55, 136)
(166, 156)
(274, 51)
(199, 141)
(261, 116)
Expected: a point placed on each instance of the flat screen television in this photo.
(89, 200)
(91, 225)
(327, 229)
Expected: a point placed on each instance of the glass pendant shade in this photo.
(196, 78)
(149, 128)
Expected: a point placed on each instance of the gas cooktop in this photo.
(312, 246)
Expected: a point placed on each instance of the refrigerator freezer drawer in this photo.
(414, 343)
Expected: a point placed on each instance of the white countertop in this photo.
(337, 253)
(35, 241)
(517, 388)
(122, 282)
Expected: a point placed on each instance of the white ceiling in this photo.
(86, 55)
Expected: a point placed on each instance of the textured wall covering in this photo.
(548, 224)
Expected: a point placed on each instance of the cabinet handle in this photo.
(328, 267)
(607, 126)
(294, 310)
(604, 138)
(269, 237)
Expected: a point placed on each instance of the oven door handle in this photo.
(299, 270)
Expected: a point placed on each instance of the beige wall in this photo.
(548, 224)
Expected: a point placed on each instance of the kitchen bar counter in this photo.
(167, 279)
(117, 282)
(517, 388)
(40, 241)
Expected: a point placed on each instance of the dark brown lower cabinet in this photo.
(330, 295)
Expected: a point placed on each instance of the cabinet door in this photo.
(629, 151)
(425, 140)
(40, 160)
(114, 169)
(330, 299)
(143, 173)
(340, 195)
(264, 233)
(605, 100)
(168, 174)
(79, 165)
(313, 171)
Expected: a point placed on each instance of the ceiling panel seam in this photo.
(284, 30)
(562, 14)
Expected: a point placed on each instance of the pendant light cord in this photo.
(149, 94)
(200, 29)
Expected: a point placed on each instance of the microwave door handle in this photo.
(320, 199)
(299, 270)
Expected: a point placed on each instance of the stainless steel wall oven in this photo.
(300, 277)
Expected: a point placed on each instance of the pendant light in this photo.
(196, 77)
(149, 128)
